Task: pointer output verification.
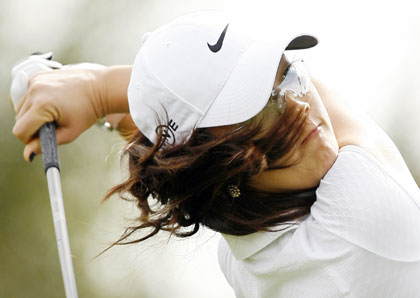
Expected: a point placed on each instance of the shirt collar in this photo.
(243, 247)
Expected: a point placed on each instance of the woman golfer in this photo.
(312, 198)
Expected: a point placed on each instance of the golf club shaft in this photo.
(48, 138)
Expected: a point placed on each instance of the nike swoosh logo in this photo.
(218, 45)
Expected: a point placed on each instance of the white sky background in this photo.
(368, 51)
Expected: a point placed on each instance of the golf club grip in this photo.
(48, 139)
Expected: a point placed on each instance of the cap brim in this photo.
(302, 42)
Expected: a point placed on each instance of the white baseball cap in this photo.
(206, 69)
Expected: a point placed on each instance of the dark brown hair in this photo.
(178, 188)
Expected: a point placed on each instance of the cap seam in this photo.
(169, 89)
(224, 84)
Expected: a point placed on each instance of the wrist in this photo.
(111, 121)
(113, 86)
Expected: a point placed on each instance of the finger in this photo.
(23, 103)
(32, 149)
(23, 107)
(29, 124)
(12, 105)
(21, 82)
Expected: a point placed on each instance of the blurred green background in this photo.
(368, 51)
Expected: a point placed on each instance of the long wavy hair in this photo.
(179, 188)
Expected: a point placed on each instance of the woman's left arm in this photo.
(353, 126)
(73, 98)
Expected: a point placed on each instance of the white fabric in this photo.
(176, 78)
(27, 67)
(24, 70)
(360, 240)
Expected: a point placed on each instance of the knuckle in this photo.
(42, 102)
(17, 132)
(35, 86)
(32, 93)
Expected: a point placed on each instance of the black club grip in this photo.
(48, 139)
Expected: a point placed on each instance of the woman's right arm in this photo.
(73, 98)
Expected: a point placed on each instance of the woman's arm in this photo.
(354, 127)
(73, 98)
(126, 127)
(115, 81)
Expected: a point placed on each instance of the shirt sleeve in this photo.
(360, 202)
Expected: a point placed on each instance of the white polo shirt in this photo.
(360, 240)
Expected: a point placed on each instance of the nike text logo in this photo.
(168, 132)
(216, 47)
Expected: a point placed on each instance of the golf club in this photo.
(48, 139)
(21, 74)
